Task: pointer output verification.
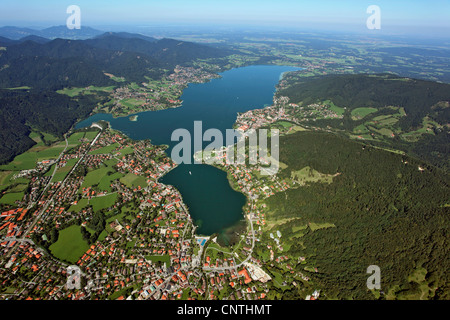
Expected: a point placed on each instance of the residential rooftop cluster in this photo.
(155, 95)
(283, 110)
(131, 236)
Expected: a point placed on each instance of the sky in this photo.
(396, 15)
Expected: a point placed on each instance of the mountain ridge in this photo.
(16, 33)
(39, 67)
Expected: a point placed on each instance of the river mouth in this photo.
(213, 204)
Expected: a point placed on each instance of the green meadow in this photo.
(156, 258)
(80, 205)
(11, 198)
(70, 245)
(103, 202)
(62, 172)
(103, 177)
(338, 110)
(106, 149)
(72, 92)
(94, 177)
(28, 159)
(307, 174)
(360, 113)
(131, 180)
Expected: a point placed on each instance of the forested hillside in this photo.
(386, 209)
(62, 62)
(422, 129)
(363, 90)
(34, 68)
(168, 52)
(44, 111)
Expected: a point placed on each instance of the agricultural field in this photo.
(71, 92)
(36, 137)
(131, 103)
(90, 135)
(62, 172)
(28, 160)
(428, 127)
(76, 138)
(16, 88)
(5, 176)
(287, 127)
(7, 181)
(98, 203)
(386, 126)
(125, 151)
(423, 287)
(378, 127)
(93, 177)
(361, 129)
(105, 182)
(37, 153)
(316, 226)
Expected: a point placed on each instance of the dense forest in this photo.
(385, 212)
(70, 63)
(168, 52)
(76, 63)
(45, 111)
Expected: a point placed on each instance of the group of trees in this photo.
(385, 210)
(45, 111)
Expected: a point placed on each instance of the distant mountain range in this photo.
(17, 33)
(38, 62)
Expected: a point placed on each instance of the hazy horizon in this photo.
(397, 17)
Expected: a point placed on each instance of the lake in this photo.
(213, 204)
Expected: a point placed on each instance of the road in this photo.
(53, 174)
(240, 264)
(47, 203)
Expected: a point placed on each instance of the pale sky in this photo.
(433, 15)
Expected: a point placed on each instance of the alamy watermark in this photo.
(374, 281)
(73, 277)
(74, 20)
(373, 21)
(257, 151)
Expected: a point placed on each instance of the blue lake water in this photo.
(212, 203)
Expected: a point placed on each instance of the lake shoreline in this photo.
(216, 103)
